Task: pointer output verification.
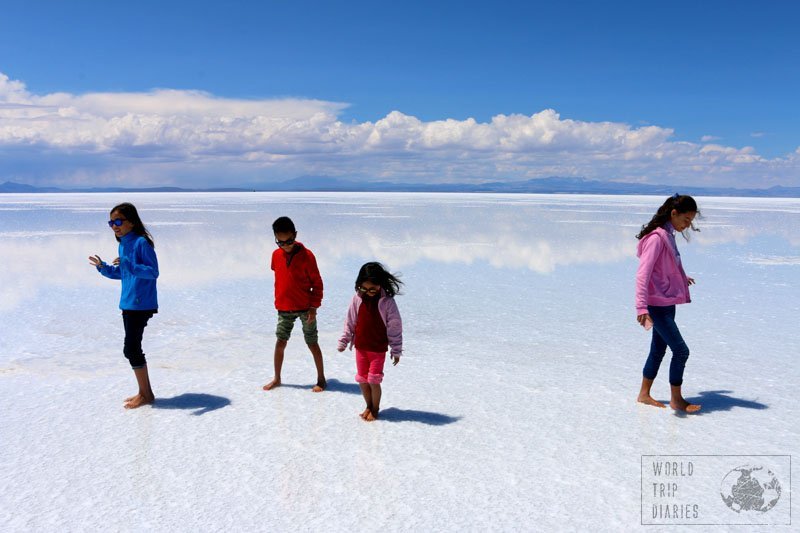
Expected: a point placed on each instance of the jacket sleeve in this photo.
(349, 324)
(316, 281)
(109, 271)
(143, 262)
(651, 249)
(394, 328)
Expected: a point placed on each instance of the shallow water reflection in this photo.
(209, 238)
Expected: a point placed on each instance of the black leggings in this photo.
(135, 322)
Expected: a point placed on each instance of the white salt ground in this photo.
(512, 410)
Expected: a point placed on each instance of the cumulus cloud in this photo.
(180, 137)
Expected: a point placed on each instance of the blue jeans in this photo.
(666, 333)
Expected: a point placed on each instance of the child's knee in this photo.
(283, 331)
(659, 352)
(310, 334)
(361, 379)
(681, 352)
(374, 379)
(134, 356)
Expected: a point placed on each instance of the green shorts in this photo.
(286, 323)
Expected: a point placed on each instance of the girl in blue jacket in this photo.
(137, 267)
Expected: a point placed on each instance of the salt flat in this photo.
(514, 407)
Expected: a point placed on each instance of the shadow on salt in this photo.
(334, 385)
(200, 402)
(393, 414)
(721, 400)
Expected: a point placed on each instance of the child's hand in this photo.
(340, 348)
(311, 316)
(645, 321)
(95, 260)
(115, 262)
(691, 281)
(395, 360)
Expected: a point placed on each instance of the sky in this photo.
(200, 94)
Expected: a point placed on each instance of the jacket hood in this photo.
(661, 234)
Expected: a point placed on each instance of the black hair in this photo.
(376, 273)
(681, 203)
(283, 225)
(129, 211)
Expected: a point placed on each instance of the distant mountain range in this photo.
(552, 185)
(11, 187)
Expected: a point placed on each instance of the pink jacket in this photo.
(660, 280)
(390, 315)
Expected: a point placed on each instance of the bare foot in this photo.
(138, 401)
(272, 384)
(369, 416)
(683, 405)
(365, 413)
(649, 400)
(320, 386)
(130, 399)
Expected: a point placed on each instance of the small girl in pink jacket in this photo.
(373, 325)
(661, 284)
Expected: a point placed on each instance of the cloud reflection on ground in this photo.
(230, 239)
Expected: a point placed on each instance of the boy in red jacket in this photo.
(298, 294)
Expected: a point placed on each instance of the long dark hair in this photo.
(129, 211)
(681, 203)
(376, 273)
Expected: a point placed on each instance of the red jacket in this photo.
(298, 285)
(391, 318)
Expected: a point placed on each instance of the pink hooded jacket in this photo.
(390, 315)
(660, 280)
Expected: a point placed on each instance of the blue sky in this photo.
(213, 93)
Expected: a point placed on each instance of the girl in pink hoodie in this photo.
(661, 284)
(373, 325)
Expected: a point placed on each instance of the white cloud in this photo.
(12, 91)
(709, 138)
(183, 137)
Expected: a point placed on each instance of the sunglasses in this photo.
(373, 290)
(116, 222)
(287, 242)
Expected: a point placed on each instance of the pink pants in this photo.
(369, 366)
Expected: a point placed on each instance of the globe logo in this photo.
(750, 489)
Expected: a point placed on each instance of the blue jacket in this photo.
(138, 270)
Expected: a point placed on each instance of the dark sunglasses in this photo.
(116, 222)
(287, 242)
(373, 290)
